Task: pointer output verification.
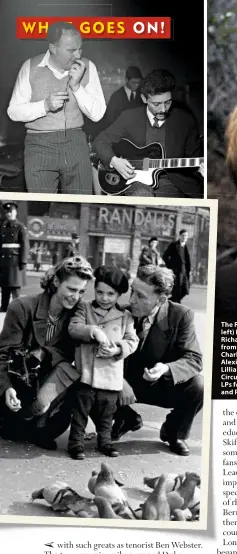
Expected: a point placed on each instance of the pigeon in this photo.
(182, 515)
(92, 481)
(156, 506)
(105, 509)
(173, 481)
(125, 512)
(106, 486)
(175, 500)
(58, 496)
(187, 488)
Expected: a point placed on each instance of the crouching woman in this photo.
(36, 354)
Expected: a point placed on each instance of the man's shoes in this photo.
(77, 453)
(108, 450)
(122, 426)
(177, 446)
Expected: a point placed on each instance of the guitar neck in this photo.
(172, 163)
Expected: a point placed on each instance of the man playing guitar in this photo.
(160, 121)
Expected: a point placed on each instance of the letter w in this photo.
(29, 26)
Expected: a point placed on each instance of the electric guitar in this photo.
(149, 162)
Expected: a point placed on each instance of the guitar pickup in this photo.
(145, 165)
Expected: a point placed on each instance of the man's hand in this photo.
(75, 75)
(108, 350)
(126, 396)
(123, 167)
(55, 101)
(11, 400)
(154, 373)
(100, 336)
(201, 169)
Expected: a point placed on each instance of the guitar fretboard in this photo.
(166, 163)
(171, 163)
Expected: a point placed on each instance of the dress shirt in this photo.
(151, 118)
(129, 93)
(90, 98)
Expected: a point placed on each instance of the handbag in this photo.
(23, 369)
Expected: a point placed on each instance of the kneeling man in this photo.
(165, 369)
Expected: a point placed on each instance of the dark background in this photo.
(183, 56)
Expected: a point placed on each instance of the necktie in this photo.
(155, 124)
(143, 330)
(132, 97)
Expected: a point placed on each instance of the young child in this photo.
(108, 336)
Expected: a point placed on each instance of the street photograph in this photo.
(105, 324)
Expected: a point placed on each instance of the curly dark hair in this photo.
(158, 82)
(74, 266)
(161, 278)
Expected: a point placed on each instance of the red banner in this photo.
(95, 27)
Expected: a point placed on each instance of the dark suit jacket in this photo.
(25, 326)
(171, 340)
(182, 140)
(173, 259)
(226, 292)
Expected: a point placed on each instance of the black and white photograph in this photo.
(105, 360)
(104, 117)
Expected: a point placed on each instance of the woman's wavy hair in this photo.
(74, 266)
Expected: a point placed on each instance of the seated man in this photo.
(159, 120)
(165, 369)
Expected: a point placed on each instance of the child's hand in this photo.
(108, 351)
(100, 336)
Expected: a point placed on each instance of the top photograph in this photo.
(102, 116)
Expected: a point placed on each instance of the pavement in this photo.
(25, 467)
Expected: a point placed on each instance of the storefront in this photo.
(116, 234)
(48, 237)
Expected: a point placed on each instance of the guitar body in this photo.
(112, 183)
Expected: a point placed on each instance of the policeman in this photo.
(72, 249)
(13, 254)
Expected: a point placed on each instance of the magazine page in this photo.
(107, 302)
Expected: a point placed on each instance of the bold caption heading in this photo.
(95, 27)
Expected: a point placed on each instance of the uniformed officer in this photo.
(72, 249)
(13, 254)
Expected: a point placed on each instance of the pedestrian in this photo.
(166, 368)
(38, 256)
(177, 258)
(72, 249)
(52, 94)
(150, 254)
(35, 332)
(107, 336)
(14, 247)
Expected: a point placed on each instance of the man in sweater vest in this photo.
(159, 120)
(52, 93)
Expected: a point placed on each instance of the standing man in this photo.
(165, 369)
(52, 93)
(158, 120)
(177, 258)
(125, 98)
(150, 254)
(72, 249)
(13, 254)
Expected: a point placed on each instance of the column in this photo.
(84, 227)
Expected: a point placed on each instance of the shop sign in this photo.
(49, 228)
(124, 220)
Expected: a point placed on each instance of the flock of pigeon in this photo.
(173, 497)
